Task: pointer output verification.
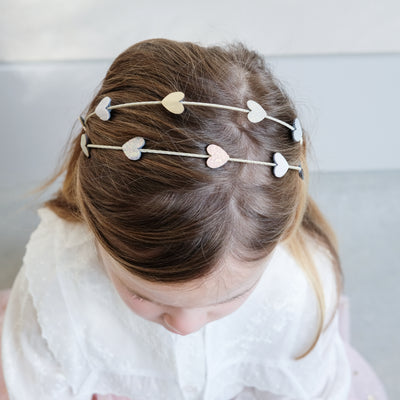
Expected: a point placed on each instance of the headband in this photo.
(216, 156)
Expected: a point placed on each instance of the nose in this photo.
(185, 321)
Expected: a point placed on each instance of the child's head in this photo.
(172, 220)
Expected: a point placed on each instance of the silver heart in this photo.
(84, 143)
(297, 134)
(101, 110)
(282, 165)
(132, 148)
(257, 113)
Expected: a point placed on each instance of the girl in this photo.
(182, 258)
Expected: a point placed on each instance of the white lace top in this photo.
(67, 334)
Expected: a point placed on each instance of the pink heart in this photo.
(218, 156)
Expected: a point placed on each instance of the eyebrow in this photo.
(214, 304)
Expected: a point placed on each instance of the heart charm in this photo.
(84, 142)
(257, 113)
(172, 102)
(132, 148)
(281, 165)
(101, 110)
(83, 123)
(297, 134)
(301, 172)
(218, 156)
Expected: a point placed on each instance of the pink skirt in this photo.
(365, 383)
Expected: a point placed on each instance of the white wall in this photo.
(87, 29)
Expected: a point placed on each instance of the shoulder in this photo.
(30, 355)
(53, 240)
(66, 233)
(322, 270)
(41, 298)
(327, 275)
(305, 324)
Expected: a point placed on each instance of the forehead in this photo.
(230, 277)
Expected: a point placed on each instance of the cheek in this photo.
(144, 309)
(223, 310)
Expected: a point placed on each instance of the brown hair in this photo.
(171, 219)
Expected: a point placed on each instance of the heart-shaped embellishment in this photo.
(102, 111)
(83, 123)
(281, 165)
(132, 148)
(301, 172)
(297, 134)
(84, 142)
(257, 113)
(218, 156)
(172, 102)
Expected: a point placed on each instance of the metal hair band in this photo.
(216, 157)
(174, 103)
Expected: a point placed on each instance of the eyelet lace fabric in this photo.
(69, 335)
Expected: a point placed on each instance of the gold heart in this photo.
(218, 156)
(172, 102)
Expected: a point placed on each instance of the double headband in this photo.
(216, 156)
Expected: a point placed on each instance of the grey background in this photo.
(93, 29)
